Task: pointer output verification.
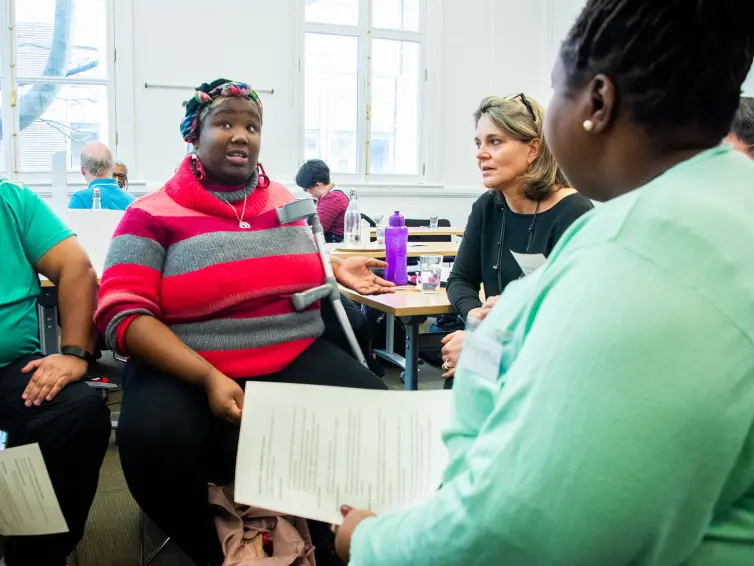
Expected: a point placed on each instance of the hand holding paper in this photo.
(307, 450)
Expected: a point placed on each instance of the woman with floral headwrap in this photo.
(197, 291)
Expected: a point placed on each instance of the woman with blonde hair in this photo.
(515, 225)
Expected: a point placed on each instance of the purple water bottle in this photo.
(396, 247)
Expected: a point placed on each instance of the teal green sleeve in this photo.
(41, 228)
(474, 396)
(571, 466)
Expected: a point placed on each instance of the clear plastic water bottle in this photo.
(352, 223)
(396, 250)
(96, 199)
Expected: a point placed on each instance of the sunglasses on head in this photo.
(522, 96)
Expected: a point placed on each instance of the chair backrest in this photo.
(422, 222)
(419, 222)
(369, 219)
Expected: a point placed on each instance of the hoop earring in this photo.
(588, 125)
(197, 168)
(264, 180)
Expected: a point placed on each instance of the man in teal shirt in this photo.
(604, 410)
(41, 398)
(97, 168)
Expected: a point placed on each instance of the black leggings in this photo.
(73, 432)
(171, 445)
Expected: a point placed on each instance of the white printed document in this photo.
(306, 450)
(529, 263)
(28, 505)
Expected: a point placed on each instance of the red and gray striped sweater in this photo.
(180, 256)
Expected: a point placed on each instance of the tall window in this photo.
(56, 82)
(363, 72)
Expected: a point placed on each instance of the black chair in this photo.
(424, 223)
(371, 221)
(144, 558)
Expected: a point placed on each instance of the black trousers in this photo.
(171, 445)
(73, 432)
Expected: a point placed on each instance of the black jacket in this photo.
(483, 239)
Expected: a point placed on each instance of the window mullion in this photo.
(397, 35)
(362, 122)
(5, 110)
(331, 29)
(61, 80)
(368, 90)
(14, 94)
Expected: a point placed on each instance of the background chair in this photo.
(424, 222)
(146, 561)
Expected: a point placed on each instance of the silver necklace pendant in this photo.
(241, 223)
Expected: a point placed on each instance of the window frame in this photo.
(10, 93)
(365, 34)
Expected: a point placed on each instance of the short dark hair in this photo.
(743, 121)
(675, 63)
(312, 172)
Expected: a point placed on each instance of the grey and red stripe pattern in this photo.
(179, 255)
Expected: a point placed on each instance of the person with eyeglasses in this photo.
(741, 135)
(314, 178)
(514, 226)
(97, 168)
(120, 174)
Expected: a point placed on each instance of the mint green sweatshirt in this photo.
(618, 429)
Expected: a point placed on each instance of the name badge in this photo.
(482, 355)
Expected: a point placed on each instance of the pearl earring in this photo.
(588, 125)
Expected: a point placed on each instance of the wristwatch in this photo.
(77, 352)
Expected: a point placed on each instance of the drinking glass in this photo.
(431, 273)
(433, 220)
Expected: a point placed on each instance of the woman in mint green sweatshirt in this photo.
(604, 410)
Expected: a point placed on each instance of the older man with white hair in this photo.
(97, 168)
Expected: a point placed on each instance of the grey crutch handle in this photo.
(305, 299)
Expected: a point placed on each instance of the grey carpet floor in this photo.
(112, 535)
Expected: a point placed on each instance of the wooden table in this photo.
(415, 249)
(411, 307)
(427, 231)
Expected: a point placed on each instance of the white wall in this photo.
(171, 48)
(477, 48)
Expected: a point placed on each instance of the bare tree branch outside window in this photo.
(35, 102)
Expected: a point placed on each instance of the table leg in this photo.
(390, 334)
(411, 380)
(47, 314)
(388, 353)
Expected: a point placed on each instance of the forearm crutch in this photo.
(305, 210)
